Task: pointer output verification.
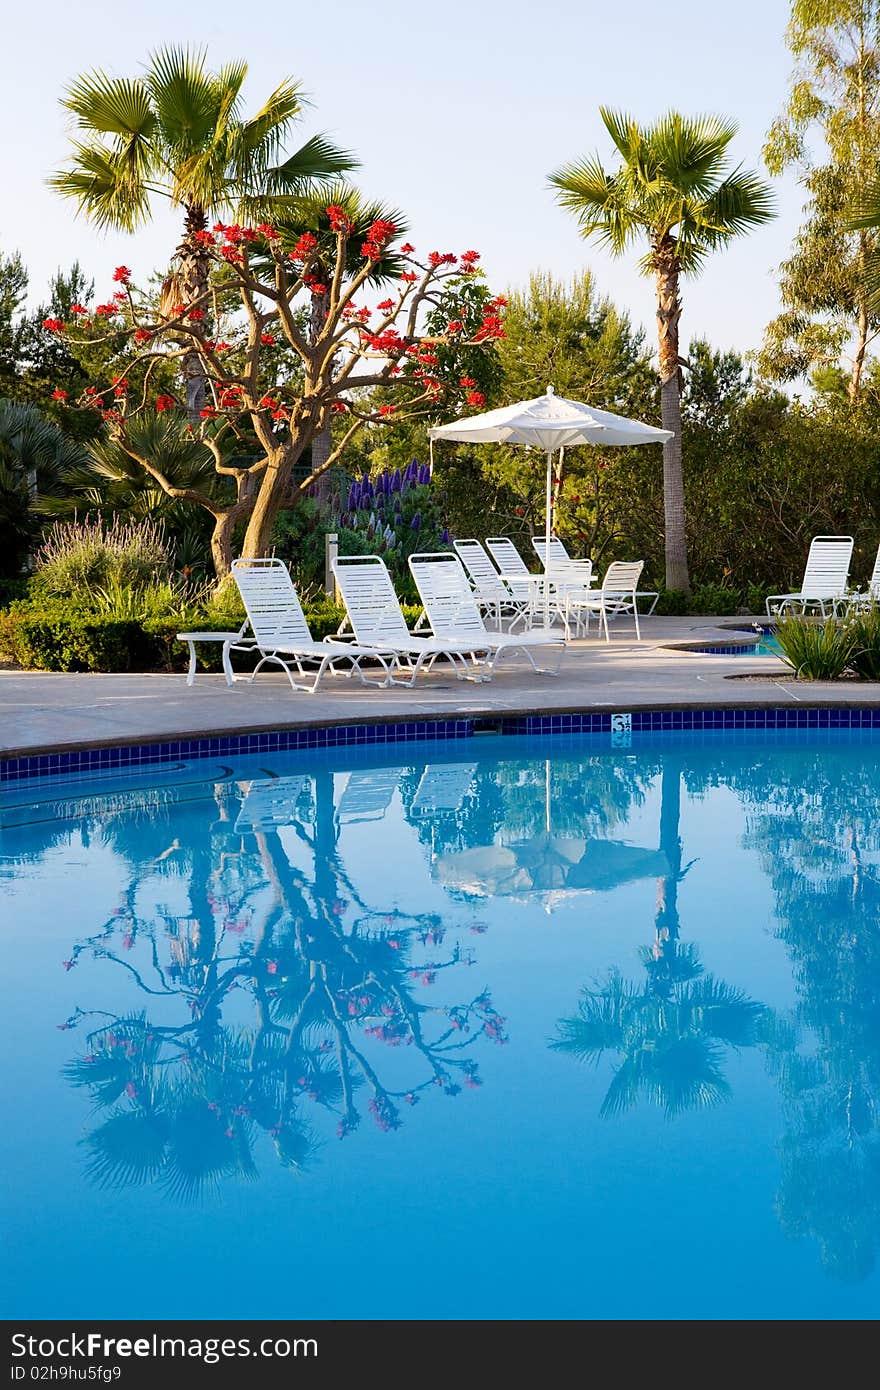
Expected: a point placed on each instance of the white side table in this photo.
(230, 640)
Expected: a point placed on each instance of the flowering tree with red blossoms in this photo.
(274, 380)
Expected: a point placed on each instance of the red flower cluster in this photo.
(469, 258)
(409, 276)
(454, 326)
(387, 409)
(54, 325)
(269, 402)
(315, 287)
(407, 248)
(122, 275)
(389, 342)
(475, 398)
(303, 248)
(142, 335)
(231, 397)
(493, 324)
(438, 258)
(222, 346)
(165, 403)
(78, 309)
(208, 413)
(339, 219)
(339, 407)
(385, 305)
(267, 230)
(379, 233)
(59, 395)
(196, 315)
(120, 385)
(267, 339)
(466, 381)
(105, 311)
(352, 312)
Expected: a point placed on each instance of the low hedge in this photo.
(60, 637)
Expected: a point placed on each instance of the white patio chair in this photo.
(453, 613)
(617, 596)
(860, 599)
(493, 594)
(560, 560)
(825, 577)
(281, 633)
(376, 620)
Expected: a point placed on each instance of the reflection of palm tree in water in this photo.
(669, 1032)
(326, 977)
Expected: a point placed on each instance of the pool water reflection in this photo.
(502, 1028)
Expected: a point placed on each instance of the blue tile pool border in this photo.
(156, 753)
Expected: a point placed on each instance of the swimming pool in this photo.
(498, 1027)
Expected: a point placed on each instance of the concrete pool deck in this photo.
(48, 712)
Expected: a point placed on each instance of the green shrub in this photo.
(817, 651)
(62, 638)
(865, 633)
(81, 558)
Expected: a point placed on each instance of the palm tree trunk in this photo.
(667, 271)
(186, 285)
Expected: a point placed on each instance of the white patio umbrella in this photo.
(549, 422)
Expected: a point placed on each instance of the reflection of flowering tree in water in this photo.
(669, 1032)
(319, 976)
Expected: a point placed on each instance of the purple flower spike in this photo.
(416, 523)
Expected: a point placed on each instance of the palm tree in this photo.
(178, 132)
(34, 454)
(672, 189)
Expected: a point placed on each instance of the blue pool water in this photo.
(765, 644)
(495, 1028)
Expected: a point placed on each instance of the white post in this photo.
(331, 550)
(548, 530)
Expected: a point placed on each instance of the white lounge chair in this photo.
(376, 620)
(281, 633)
(494, 596)
(270, 803)
(508, 559)
(367, 795)
(618, 595)
(825, 578)
(442, 790)
(453, 613)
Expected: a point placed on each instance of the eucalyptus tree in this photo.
(826, 282)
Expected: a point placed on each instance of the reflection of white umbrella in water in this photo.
(547, 864)
(549, 422)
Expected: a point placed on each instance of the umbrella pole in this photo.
(548, 530)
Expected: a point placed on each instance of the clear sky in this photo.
(457, 111)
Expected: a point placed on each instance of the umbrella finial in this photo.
(550, 391)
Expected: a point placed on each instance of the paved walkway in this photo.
(47, 712)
